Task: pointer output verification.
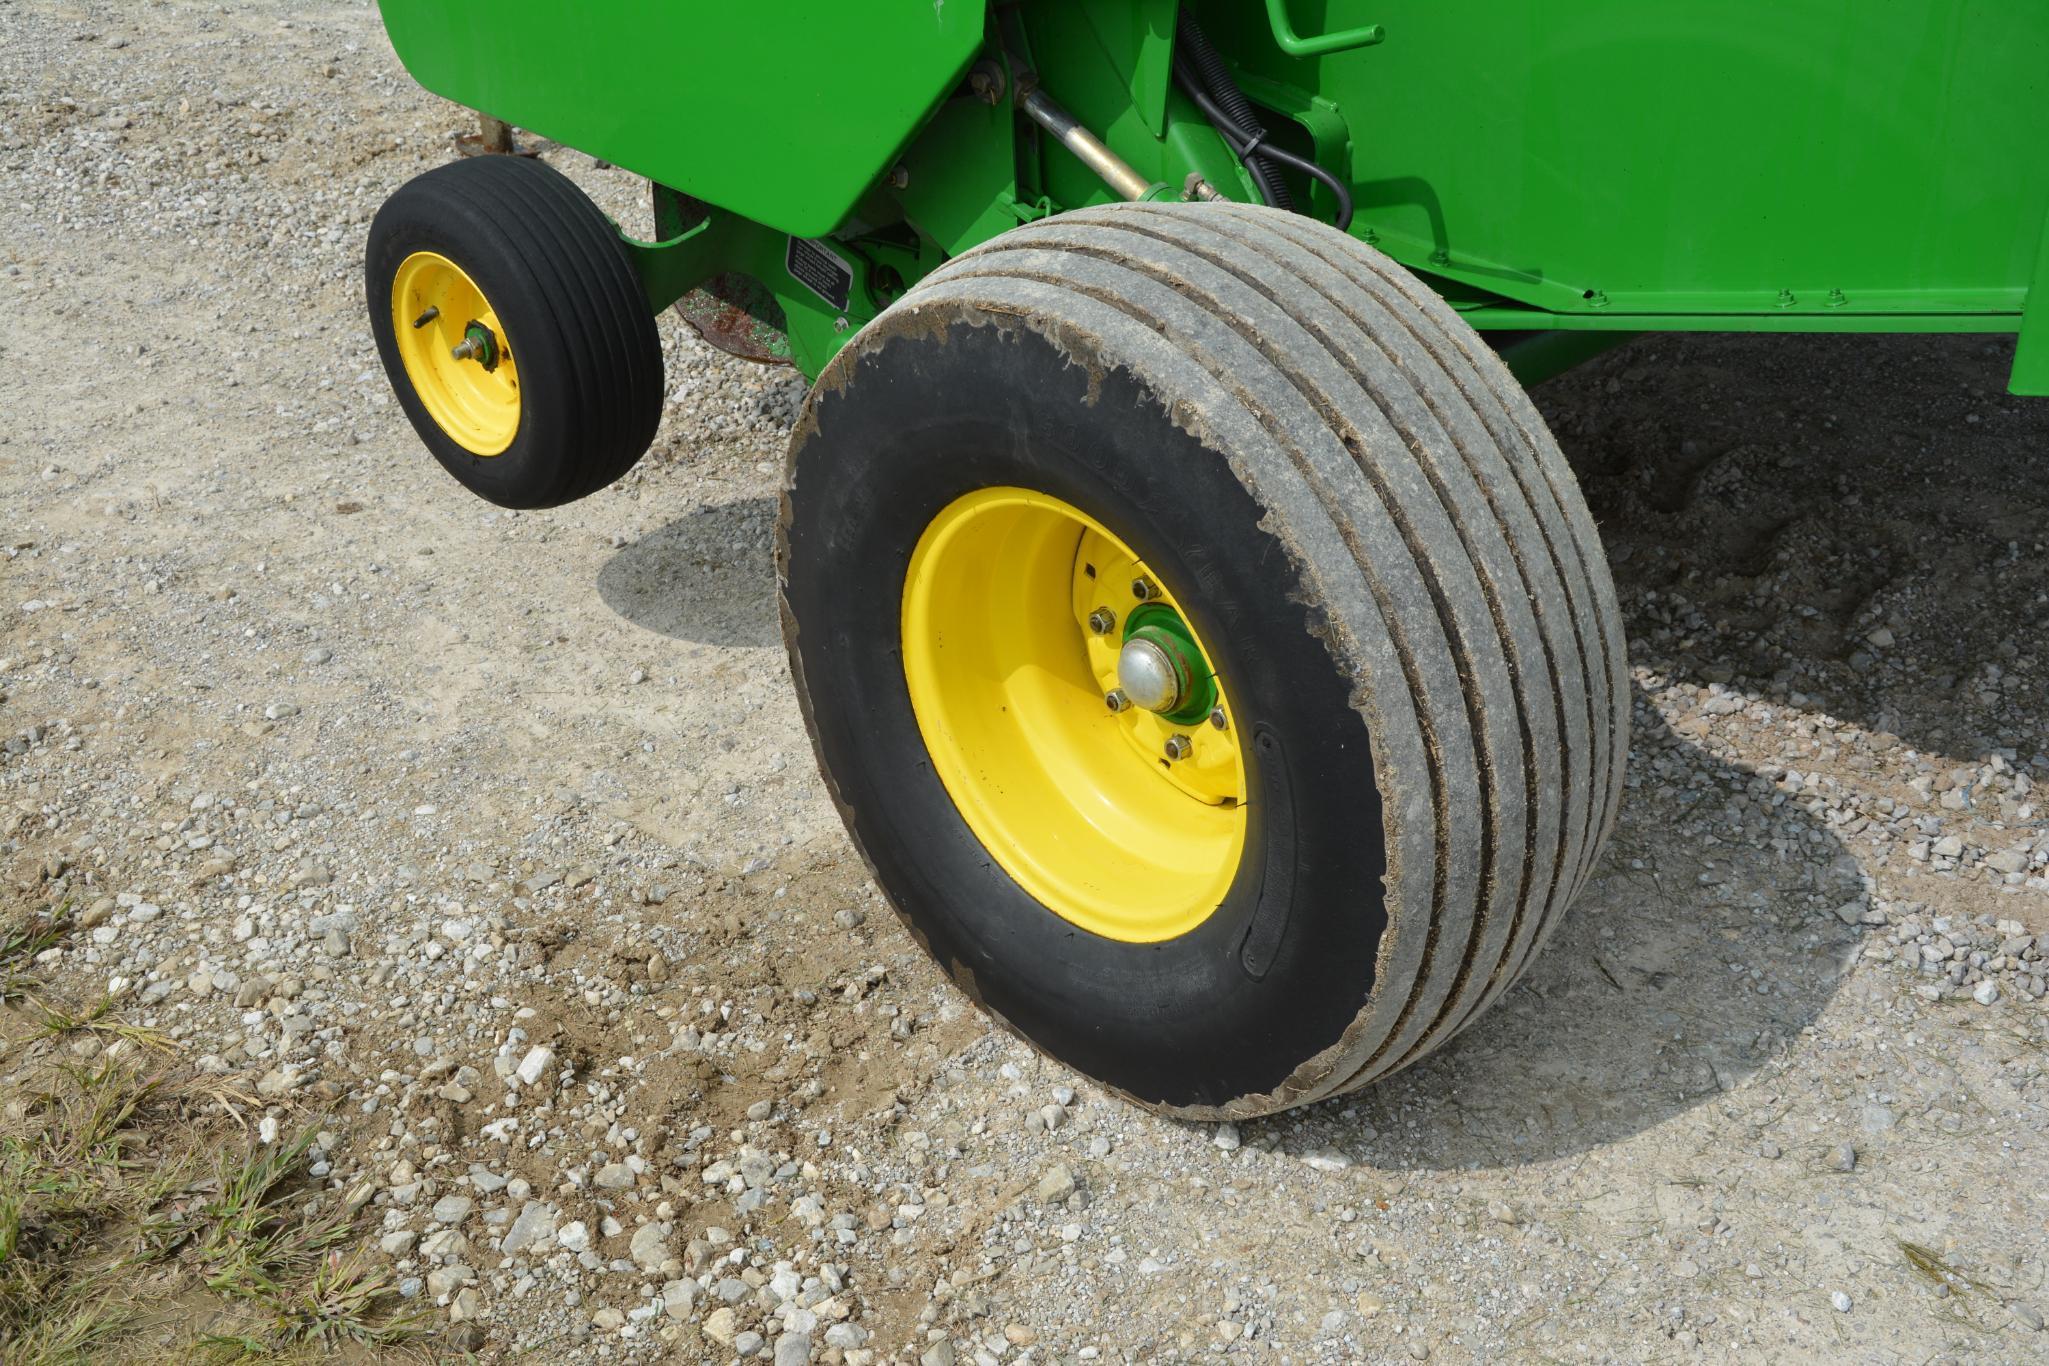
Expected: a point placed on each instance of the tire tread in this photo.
(1382, 422)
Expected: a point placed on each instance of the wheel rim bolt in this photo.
(1102, 621)
(1115, 699)
(1143, 590)
(1179, 747)
(466, 349)
(1217, 719)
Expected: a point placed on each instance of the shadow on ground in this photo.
(708, 576)
(1851, 525)
(1672, 980)
(1857, 520)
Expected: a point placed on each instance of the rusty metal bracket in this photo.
(492, 138)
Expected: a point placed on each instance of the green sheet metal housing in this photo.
(784, 113)
(1605, 165)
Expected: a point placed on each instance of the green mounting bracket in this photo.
(1295, 45)
(669, 270)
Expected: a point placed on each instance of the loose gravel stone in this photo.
(534, 1066)
(1056, 1185)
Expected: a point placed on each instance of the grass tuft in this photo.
(1932, 1268)
(107, 1184)
(261, 1240)
(22, 940)
(344, 1299)
(99, 1019)
(71, 1176)
(1957, 1288)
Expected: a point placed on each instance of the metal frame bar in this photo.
(1488, 318)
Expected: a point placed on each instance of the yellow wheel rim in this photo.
(1008, 677)
(437, 309)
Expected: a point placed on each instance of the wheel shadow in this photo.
(1681, 969)
(1851, 525)
(707, 577)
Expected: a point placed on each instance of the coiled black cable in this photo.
(1200, 71)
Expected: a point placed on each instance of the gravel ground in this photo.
(491, 843)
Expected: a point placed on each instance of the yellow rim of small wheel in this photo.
(455, 353)
(1128, 823)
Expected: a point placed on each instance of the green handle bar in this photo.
(1295, 45)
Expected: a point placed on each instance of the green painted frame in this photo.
(1608, 166)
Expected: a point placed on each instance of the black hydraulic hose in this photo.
(1307, 167)
(1255, 149)
(1205, 71)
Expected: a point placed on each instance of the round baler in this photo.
(1202, 637)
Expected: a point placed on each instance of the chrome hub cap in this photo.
(1148, 676)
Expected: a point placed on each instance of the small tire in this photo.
(563, 390)
(1395, 577)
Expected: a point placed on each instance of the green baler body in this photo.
(1629, 165)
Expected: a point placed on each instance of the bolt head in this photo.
(1144, 590)
(1179, 747)
(986, 81)
(1102, 621)
(1218, 719)
(1115, 700)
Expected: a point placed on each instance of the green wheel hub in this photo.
(1162, 668)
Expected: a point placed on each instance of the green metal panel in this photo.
(1575, 166)
(1811, 158)
(785, 114)
(1138, 38)
(2031, 354)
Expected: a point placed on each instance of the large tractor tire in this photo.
(514, 330)
(1206, 645)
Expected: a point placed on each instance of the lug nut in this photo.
(1179, 747)
(1115, 699)
(1216, 718)
(1144, 590)
(1102, 621)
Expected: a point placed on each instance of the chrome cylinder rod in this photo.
(1116, 172)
